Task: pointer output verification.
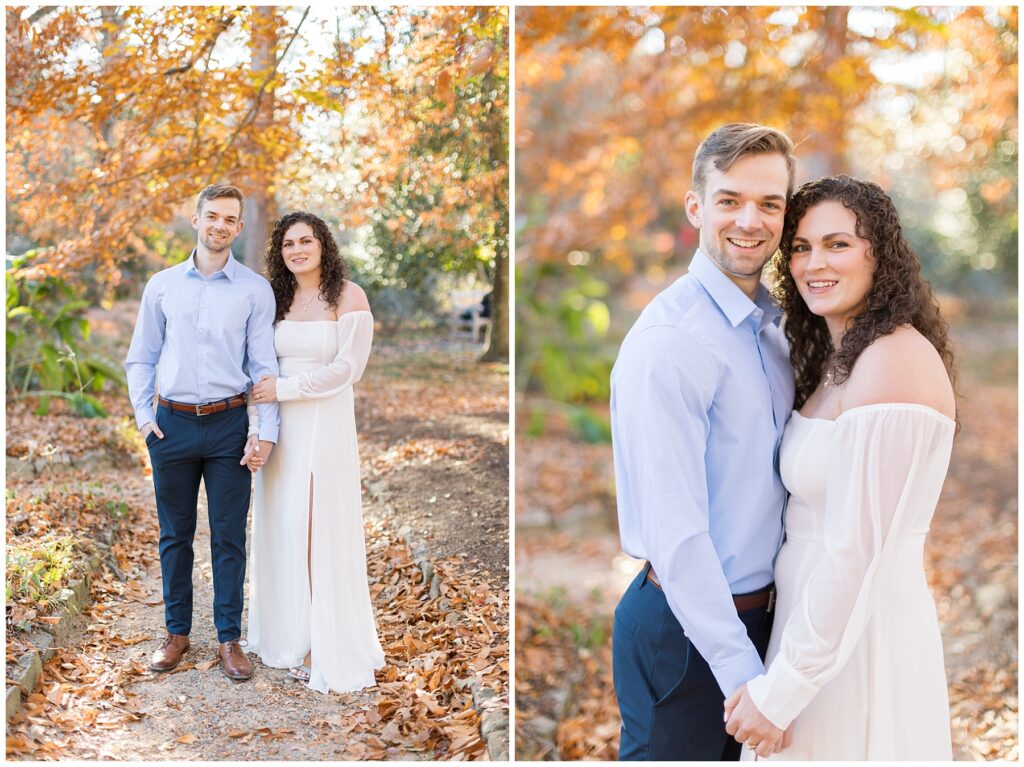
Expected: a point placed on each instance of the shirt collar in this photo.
(229, 270)
(733, 302)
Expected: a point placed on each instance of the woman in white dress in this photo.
(309, 601)
(854, 665)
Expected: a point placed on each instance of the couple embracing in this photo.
(779, 482)
(255, 378)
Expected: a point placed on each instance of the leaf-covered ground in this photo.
(99, 701)
(570, 574)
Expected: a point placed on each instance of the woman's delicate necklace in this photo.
(307, 304)
(830, 371)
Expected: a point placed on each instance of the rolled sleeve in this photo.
(663, 388)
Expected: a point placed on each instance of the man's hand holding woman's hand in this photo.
(265, 391)
(750, 727)
(257, 453)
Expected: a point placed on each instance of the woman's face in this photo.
(830, 264)
(300, 249)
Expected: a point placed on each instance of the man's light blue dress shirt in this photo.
(204, 338)
(701, 392)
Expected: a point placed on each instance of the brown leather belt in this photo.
(207, 409)
(761, 598)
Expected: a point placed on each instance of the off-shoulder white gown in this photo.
(855, 658)
(320, 361)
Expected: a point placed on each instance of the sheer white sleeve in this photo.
(355, 336)
(884, 480)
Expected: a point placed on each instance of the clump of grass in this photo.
(40, 571)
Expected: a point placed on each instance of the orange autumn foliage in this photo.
(612, 102)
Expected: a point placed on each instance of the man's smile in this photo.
(744, 243)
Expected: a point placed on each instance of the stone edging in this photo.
(35, 464)
(494, 725)
(47, 639)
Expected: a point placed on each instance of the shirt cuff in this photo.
(287, 389)
(143, 416)
(732, 675)
(782, 693)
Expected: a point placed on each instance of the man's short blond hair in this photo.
(215, 191)
(731, 142)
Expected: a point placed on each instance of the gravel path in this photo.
(197, 712)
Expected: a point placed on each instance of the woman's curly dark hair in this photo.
(899, 295)
(332, 267)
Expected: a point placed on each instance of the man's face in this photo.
(740, 214)
(218, 222)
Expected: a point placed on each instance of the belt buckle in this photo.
(199, 410)
(771, 600)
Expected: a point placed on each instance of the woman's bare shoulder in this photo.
(900, 367)
(353, 299)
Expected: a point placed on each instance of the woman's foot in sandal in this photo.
(299, 672)
(302, 672)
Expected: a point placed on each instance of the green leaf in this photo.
(86, 405)
(593, 428)
(536, 425)
(104, 368)
(20, 311)
(599, 317)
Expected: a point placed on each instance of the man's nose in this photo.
(749, 216)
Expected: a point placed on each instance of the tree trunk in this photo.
(823, 154)
(260, 205)
(497, 350)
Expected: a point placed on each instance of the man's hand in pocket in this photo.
(151, 428)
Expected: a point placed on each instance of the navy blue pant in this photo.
(205, 447)
(670, 703)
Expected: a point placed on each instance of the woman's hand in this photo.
(749, 726)
(265, 391)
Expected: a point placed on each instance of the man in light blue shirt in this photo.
(701, 392)
(205, 332)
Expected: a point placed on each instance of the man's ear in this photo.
(195, 220)
(241, 226)
(693, 208)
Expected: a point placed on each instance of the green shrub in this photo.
(46, 331)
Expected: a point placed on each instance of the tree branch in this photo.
(222, 25)
(387, 34)
(254, 109)
(42, 13)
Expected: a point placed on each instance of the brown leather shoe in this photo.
(234, 662)
(170, 653)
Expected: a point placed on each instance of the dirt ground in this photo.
(448, 415)
(434, 452)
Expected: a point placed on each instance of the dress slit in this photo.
(309, 540)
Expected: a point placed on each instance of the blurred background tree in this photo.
(611, 104)
(390, 123)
